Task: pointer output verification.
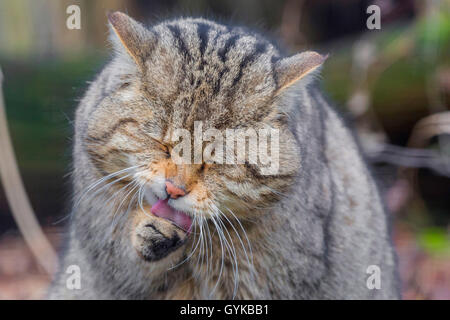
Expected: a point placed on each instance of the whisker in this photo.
(135, 185)
(192, 251)
(232, 252)
(251, 265)
(213, 219)
(209, 267)
(93, 186)
(105, 178)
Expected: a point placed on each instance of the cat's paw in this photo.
(154, 238)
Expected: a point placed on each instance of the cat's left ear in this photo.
(295, 68)
(130, 35)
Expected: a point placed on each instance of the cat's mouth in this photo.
(180, 219)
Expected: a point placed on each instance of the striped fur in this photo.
(308, 232)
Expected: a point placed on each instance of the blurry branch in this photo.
(369, 62)
(18, 199)
(434, 125)
(411, 158)
(440, 120)
(429, 127)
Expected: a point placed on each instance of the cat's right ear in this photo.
(291, 70)
(132, 36)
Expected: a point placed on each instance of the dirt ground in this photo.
(423, 276)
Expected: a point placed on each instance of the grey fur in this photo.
(316, 242)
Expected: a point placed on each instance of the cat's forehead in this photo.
(208, 72)
(202, 42)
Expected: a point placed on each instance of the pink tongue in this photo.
(163, 210)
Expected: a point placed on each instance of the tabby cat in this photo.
(144, 226)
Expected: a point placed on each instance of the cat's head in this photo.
(188, 80)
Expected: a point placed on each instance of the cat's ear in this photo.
(130, 35)
(292, 69)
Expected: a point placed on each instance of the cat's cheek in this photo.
(155, 238)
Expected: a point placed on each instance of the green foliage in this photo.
(40, 98)
(435, 240)
(433, 32)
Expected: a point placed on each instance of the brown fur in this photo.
(309, 230)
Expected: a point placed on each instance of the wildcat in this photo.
(145, 227)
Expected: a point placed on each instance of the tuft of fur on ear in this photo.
(132, 36)
(292, 69)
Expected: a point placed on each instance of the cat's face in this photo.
(191, 76)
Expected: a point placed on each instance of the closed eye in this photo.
(162, 146)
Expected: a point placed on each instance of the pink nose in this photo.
(173, 191)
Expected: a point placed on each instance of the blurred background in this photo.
(394, 83)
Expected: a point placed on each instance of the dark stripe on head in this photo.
(217, 85)
(260, 48)
(202, 33)
(179, 41)
(231, 41)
